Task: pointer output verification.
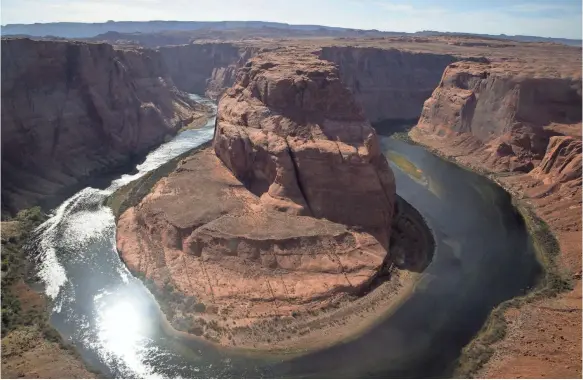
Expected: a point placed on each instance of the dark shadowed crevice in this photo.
(382, 185)
(297, 176)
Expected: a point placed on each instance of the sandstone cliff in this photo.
(523, 121)
(389, 83)
(288, 215)
(71, 110)
(562, 161)
(205, 68)
(500, 114)
(291, 131)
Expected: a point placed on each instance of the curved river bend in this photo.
(483, 256)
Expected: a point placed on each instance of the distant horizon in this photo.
(286, 23)
(537, 18)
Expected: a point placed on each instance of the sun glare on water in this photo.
(120, 324)
(122, 333)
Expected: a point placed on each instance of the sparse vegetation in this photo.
(199, 307)
(214, 325)
(196, 330)
(14, 268)
(403, 136)
(405, 165)
(24, 312)
(547, 250)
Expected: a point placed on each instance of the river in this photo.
(483, 256)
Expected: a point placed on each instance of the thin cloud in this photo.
(539, 7)
(409, 9)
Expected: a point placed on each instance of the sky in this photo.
(546, 18)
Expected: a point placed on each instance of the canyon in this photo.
(522, 125)
(509, 110)
(206, 68)
(481, 104)
(71, 111)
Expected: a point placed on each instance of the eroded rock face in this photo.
(561, 162)
(289, 212)
(293, 134)
(205, 68)
(496, 113)
(523, 118)
(205, 235)
(71, 110)
(389, 83)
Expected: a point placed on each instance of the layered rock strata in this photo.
(499, 114)
(71, 110)
(289, 213)
(205, 68)
(522, 124)
(389, 83)
(293, 134)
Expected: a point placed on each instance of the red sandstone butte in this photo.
(289, 212)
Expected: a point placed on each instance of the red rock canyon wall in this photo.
(388, 83)
(205, 68)
(501, 115)
(71, 109)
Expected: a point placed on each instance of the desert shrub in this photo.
(51, 334)
(214, 325)
(196, 330)
(14, 268)
(200, 307)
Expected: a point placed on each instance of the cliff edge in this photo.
(522, 125)
(71, 110)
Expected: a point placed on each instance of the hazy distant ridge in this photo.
(86, 30)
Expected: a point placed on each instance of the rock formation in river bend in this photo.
(294, 216)
(293, 134)
(71, 110)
